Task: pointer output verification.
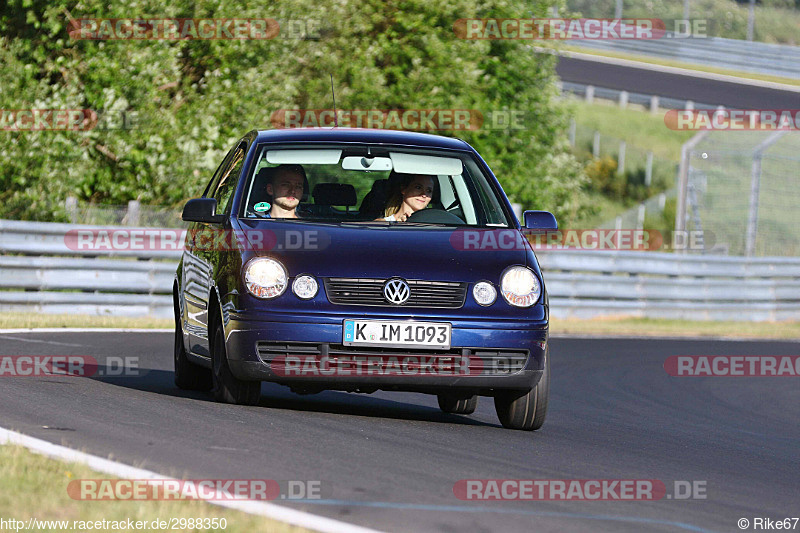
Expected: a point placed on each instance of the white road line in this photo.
(86, 330)
(39, 340)
(623, 337)
(671, 70)
(269, 510)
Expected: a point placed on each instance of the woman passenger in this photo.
(413, 194)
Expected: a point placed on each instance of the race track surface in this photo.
(390, 460)
(670, 85)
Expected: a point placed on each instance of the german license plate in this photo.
(395, 333)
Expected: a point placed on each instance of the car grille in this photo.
(367, 291)
(470, 361)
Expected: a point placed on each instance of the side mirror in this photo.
(540, 220)
(202, 210)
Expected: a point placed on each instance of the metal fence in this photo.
(653, 102)
(39, 273)
(645, 177)
(642, 165)
(650, 214)
(742, 189)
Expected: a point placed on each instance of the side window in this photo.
(494, 213)
(228, 182)
(212, 185)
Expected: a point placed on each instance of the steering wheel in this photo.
(434, 216)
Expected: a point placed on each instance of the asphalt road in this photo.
(671, 85)
(390, 460)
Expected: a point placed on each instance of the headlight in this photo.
(305, 287)
(520, 287)
(265, 278)
(484, 293)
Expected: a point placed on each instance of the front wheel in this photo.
(227, 388)
(525, 410)
(458, 406)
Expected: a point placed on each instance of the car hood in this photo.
(359, 250)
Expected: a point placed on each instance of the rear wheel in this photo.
(459, 406)
(227, 388)
(525, 410)
(188, 376)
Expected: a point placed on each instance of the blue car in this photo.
(362, 260)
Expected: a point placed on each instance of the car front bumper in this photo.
(308, 353)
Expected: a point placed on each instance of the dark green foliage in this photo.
(193, 99)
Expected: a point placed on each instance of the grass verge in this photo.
(639, 128)
(605, 326)
(645, 327)
(35, 486)
(25, 320)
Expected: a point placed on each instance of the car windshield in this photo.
(370, 184)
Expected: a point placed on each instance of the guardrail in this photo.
(585, 284)
(47, 276)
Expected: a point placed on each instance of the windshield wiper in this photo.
(364, 222)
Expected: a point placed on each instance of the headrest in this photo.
(334, 194)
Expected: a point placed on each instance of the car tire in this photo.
(188, 376)
(525, 410)
(458, 406)
(226, 387)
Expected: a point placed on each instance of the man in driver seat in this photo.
(413, 193)
(285, 187)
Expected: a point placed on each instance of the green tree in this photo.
(193, 98)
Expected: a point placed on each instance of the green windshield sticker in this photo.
(261, 206)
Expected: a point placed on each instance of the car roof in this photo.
(361, 135)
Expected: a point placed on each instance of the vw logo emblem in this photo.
(396, 291)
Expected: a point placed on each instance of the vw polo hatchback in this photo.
(362, 260)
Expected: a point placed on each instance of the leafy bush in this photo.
(193, 99)
(603, 177)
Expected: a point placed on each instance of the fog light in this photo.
(484, 293)
(305, 287)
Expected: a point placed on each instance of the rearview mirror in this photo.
(540, 220)
(371, 164)
(202, 210)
